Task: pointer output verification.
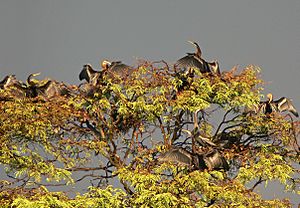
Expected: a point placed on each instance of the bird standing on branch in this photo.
(280, 105)
(194, 60)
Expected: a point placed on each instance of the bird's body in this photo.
(16, 88)
(185, 69)
(89, 74)
(8, 81)
(47, 90)
(116, 69)
(188, 63)
(211, 159)
(52, 89)
(280, 105)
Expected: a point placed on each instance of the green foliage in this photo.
(116, 135)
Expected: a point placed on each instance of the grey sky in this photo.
(57, 37)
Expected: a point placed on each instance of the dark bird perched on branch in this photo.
(93, 78)
(211, 160)
(187, 65)
(195, 60)
(178, 155)
(280, 105)
(208, 157)
(116, 68)
(89, 74)
(9, 80)
(16, 88)
(49, 89)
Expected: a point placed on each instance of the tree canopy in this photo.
(111, 133)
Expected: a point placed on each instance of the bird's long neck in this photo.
(198, 51)
(270, 96)
(29, 81)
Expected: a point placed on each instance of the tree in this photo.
(114, 137)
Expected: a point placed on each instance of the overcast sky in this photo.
(57, 37)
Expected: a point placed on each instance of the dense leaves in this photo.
(111, 140)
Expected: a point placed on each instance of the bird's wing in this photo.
(285, 104)
(44, 88)
(84, 75)
(189, 61)
(214, 160)
(4, 80)
(119, 68)
(178, 155)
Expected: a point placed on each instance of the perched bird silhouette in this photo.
(187, 63)
(280, 105)
(116, 68)
(49, 89)
(206, 157)
(178, 155)
(185, 68)
(8, 81)
(89, 74)
(14, 86)
(211, 159)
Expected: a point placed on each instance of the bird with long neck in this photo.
(280, 105)
(88, 73)
(198, 50)
(270, 97)
(30, 80)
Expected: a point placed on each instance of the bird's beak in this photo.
(192, 42)
(36, 74)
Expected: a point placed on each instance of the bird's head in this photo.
(87, 66)
(198, 50)
(270, 97)
(31, 81)
(105, 64)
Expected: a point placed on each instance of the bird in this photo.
(214, 67)
(187, 66)
(178, 155)
(280, 105)
(195, 60)
(50, 89)
(196, 136)
(207, 156)
(14, 86)
(211, 159)
(88, 73)
(8, 81)
(116, 68)
(94, 80)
